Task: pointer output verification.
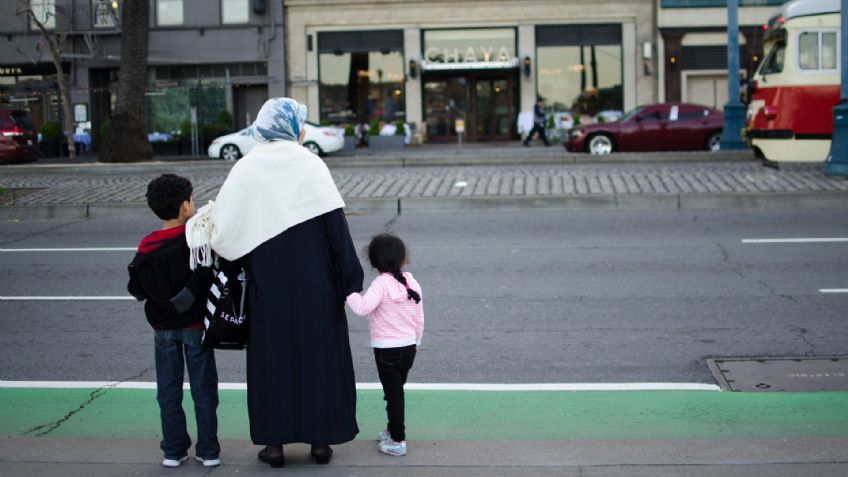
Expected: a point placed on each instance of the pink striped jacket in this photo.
(393, 318)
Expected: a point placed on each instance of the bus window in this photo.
(774, 61)
(828, 53)
(808, 50)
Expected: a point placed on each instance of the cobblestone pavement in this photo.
(106, 184)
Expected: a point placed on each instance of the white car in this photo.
(319, 140)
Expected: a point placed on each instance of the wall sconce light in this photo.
(413, 69)
(527, 66)
(672, 62)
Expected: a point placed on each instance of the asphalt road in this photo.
(557, 297)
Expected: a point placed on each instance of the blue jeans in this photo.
(171, 348)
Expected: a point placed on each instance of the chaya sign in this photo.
(470, 55)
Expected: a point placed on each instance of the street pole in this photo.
(734, 110)
(837, 160)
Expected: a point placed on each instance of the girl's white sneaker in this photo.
(174, 462)
(391, 447)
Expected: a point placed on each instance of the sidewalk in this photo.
(83, 457)
(433, 180)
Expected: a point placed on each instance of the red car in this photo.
(18, 137)
(653, 127)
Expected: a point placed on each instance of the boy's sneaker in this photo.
(167, 462)
(383, 435)
(208, 462)
(391, 447)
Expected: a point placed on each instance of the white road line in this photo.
(796, 240)
(409, 386)
(833, 290)
(90, 249)
(65, 298)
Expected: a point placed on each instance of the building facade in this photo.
(213, 55)
(355, 62)
(693, 45)
(432, 62)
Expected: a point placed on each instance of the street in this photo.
(531, 297)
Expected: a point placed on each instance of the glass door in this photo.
(493, 109)
(445, 101)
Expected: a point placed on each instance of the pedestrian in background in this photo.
(396, 321)
(280, 214)
(538, 123)
(175, 297)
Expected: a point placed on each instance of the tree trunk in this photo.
(126, 137)
(67, 116)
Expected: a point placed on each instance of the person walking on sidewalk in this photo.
(538, 123)
(279, 212)
(175, 297)
(396, 321)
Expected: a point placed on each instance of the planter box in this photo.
(166, 148)
(349, 145)
(385, 142)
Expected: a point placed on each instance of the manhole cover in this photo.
(781, 374)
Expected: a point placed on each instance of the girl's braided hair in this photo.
(387, 254)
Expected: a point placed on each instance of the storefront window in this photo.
(583, 79)
(361, 86)
(169, 109)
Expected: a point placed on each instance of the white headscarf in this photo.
(277, 185)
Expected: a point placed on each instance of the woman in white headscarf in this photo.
(280, 213)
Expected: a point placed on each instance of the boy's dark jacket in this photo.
(160, 274)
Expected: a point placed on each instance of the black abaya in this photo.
(300, 379)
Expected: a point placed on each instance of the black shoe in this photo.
(526, 145)
(322, 454)
(273, 456)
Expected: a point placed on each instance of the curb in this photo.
(399, 205)
(447, 158)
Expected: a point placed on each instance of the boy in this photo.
(175, 298)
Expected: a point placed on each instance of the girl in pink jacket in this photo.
(396, 320)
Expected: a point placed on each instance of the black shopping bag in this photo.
(225, 315)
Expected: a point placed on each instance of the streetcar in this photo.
(790, 116)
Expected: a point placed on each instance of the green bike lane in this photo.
(434, 415)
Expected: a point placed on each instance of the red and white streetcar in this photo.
(797, 84)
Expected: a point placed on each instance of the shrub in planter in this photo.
(395, 141)
(374, 130)
(167, 148)
(349, 139)
(211, 131)
(51, 134)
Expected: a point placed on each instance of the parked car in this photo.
(653, 127)
(319, 140)
(18, 137)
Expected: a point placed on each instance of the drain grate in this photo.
(781, 374)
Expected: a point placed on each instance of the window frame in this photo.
(50, 21)
(771, 57)
(94, 16)
(819, 36)
(246, 8)
(159, 18)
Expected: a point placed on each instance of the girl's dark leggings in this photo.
(393, 365)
